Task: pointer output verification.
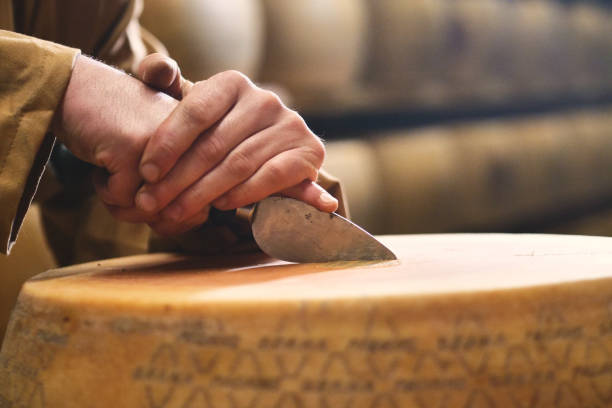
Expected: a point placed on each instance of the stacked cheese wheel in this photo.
(477, 175)
(458, 321)
(209, 36)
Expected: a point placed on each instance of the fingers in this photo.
(238, 181)
(204, 105)
(313, 194)
(117, 189)
(288, 135)
(281, 172)
(254, 113)
(169, 228)
(163, 73)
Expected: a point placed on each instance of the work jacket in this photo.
(34, 74)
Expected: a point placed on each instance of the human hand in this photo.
(106, 118)
(227, 144)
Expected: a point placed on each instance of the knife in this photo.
(294, 231)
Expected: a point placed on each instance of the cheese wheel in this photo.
(209, 36)
(492, 174)
(356, 164)
(406, 58)
(543, 39)
(461, 320)
(314, 48)
(591, 49)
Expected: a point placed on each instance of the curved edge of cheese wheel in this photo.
(503, 347)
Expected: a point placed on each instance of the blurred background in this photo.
(438, 115)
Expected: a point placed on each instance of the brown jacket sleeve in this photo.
(106, 29)
(33, 77)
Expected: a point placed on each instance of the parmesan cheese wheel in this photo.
(543, 38)
(406, 59)
(356, 164)
(492, 174)
(591, 49)
(314, 48)
(458, 321)
(479, 50)
(209, 36)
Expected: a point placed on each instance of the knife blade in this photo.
(294, 231)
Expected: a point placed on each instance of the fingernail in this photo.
(173, 213)
(146, 202)
(149, 172)
(327, 199)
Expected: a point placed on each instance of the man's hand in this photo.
(227, 144)
(106, 118)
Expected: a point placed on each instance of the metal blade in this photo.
(294, 231)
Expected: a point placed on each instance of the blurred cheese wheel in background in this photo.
(209, 36)
(592, 132)
(452, 179)
(494, 175)
(479, 52)
(590, 49)
(355, 163)
(406, 50)
(542, 38)
(420, 177)
(314, 47)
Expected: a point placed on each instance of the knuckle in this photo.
(166, 148)
(210, 151)
(236, 78)
(317, 151)
(276, 171)
(194, 200)
(304, 167)
(163, 191)
(295, 124)
(312, 173)
(197, 110)
(269, 101)
(103, 158)
(239, 164)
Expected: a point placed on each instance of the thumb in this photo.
(163, 73)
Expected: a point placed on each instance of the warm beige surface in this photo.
(459, 321)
